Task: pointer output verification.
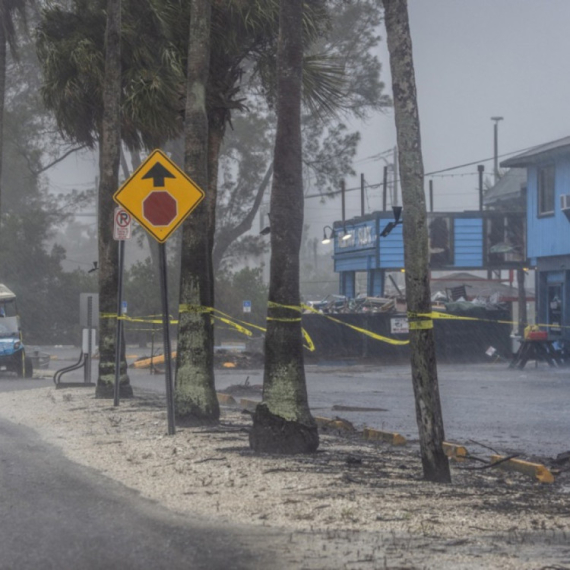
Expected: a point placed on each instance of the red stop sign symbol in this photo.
(160, 208)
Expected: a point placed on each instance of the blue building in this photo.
(548, 230)
(457, 241)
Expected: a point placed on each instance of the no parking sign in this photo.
(123, 223)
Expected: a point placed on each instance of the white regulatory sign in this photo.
(399, 325)
(123, 223)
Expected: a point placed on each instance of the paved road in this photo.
(519, 411)
(58, 515)
(511, 410)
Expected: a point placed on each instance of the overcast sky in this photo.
(474, 59)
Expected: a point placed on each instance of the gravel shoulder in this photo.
(351, 505)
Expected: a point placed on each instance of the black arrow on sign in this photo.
(158, 173)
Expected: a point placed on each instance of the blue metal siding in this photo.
(355, 261)
(375, 283)
(549, 235)
(468, 238)
(347, 284)
(391, 247)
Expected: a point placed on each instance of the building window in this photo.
(546, 190)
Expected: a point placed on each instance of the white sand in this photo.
(365, 500)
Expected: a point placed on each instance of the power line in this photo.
(380, 184)
(478, 161)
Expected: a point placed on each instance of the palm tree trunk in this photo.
(422, 341)
(3, 51)
(282, 423)
(216, 132)
(195, 394)
(109, 157)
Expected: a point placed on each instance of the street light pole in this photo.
(496, 146)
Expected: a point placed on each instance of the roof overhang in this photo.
(539, 154)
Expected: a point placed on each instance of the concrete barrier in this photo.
(537, 470)
(226, 399)
(387, 436)
(334, 424)
(455, 451)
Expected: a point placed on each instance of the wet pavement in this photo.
(510, 410)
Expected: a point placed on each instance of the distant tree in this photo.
(232, 289)
(422, 341)
(30, 258)
(109, 156)
(282, 423)
(11, 11)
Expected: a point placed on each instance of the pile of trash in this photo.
(361, 304)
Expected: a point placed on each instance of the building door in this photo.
(554, 309)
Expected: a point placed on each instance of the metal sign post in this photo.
(87, 375)
(119, 340)
(121, 232)
(166, 333)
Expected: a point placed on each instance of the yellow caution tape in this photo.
(420, 325)
(360, 330)
(186, 308)
(235, 325)
(310, 345)
(273, 305)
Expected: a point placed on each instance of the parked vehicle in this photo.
(12, 351)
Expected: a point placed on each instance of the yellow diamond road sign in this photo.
(159, 195)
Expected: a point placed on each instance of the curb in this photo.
(387, 436)
(455, 451)
(537, 470)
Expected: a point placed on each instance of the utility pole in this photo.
(343, 200)
(362, 194)
(395, 198)
(496, 146)
(480, 170)
(384, 188)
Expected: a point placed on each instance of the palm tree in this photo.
(195, 393)
(109, 157)
(282, 423)
(80, 52)
(422, 342)
(10, 11)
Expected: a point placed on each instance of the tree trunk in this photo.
(282, 423)
(195, 394)
(216, 132)
(422, 341)
(109, 156)
(3, 51)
